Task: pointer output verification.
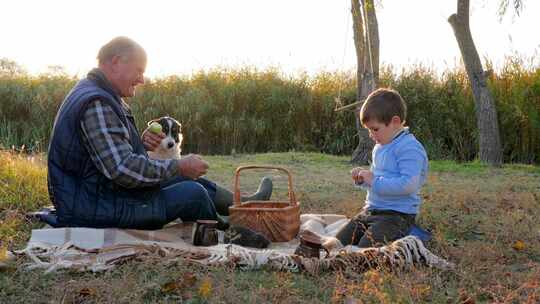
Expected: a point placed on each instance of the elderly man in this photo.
(99, 171)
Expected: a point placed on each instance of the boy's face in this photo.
(381, 133)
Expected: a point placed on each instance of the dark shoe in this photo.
(245, 237)
(224, 198)
(37, 214)
(46, 215)
(420, 233)
(263, 193)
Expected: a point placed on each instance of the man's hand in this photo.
(192, 166)
(151, 140)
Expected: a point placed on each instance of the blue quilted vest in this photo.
(82, 195)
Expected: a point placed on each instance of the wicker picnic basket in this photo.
(279, 221)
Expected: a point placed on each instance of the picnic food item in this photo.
(310, 246)
(155, 127)
(279, 221)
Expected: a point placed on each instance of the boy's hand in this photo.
(355, 175)
(361, 175)
(366, 176)
(151, 140)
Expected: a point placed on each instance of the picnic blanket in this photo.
(88, 249)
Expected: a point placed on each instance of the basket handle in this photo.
(237, 200)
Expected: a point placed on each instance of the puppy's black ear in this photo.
(177, 122)
(151, 121)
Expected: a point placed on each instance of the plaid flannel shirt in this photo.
(106, 138)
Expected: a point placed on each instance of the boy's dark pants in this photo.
(375, 228)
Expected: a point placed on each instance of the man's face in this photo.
(128, 72)
(381, 133)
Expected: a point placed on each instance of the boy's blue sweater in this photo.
(399, 171)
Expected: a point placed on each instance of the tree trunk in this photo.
(366, 42)
(373, 25)
(486, 113)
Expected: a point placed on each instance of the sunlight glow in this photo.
(301, 35)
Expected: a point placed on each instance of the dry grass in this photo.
(485, 220)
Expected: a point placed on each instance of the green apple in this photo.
(155, 128)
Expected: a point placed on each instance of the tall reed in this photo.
(250, 110)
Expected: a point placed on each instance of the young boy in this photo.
(399, 169)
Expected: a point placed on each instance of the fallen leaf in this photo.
(519, 245)
(3, 254)
(206, 288)
(169, 287)
(468, 300)
(464, 298)
(6, 259)
(85, 292)
(187, 280)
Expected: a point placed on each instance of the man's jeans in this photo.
(188, 199)
(179, 197)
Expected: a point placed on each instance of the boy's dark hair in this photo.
(119, 46)
(383, 104)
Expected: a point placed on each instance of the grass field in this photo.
(483, 219)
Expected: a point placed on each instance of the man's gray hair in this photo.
(119, 46)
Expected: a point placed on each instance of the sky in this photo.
(184, 36)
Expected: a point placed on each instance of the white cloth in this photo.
(99, 249)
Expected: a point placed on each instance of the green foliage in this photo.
(28, 106)
(246, 110)
(517, 92)
(23, 188)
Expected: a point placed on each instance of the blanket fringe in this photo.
(401, 254)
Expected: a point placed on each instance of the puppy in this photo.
(170, 146)
(245, 237)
